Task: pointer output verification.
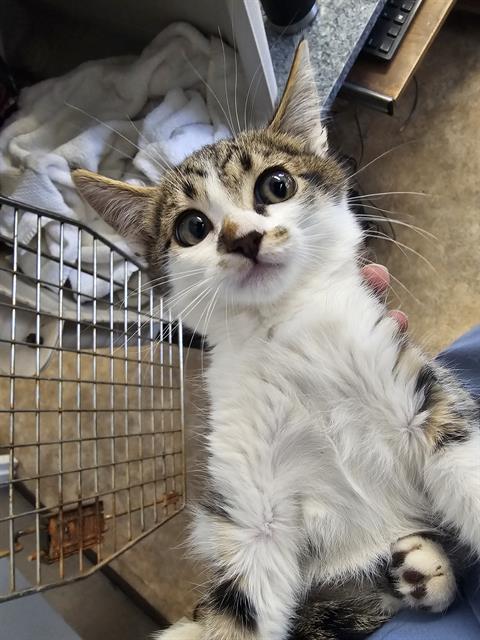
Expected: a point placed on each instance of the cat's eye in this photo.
(191, 228)
(273, 186)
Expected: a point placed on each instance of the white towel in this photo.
(124, 117)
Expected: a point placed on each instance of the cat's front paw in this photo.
(421, 574)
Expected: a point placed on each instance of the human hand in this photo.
(378, 277)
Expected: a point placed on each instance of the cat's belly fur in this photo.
(328, 421)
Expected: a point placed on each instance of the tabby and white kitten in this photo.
(333, 441)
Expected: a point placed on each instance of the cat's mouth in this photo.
(259, 272)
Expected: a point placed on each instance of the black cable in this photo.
(360, 136)
(414, 105)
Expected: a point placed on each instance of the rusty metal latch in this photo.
(66, 532)
(74, 530)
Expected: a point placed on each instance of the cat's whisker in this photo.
(122, 154)
(396, 213)
(304, 222)
(209, 88)
(180, 273)
(136, 332)
(380, 235)
(315, 225)
(235, 54)
(161, 158)
(310, 253)
(195, 333)
(227, 328)
(208, 315)
(254, 97)
(424, 234)
(184, 290)
(175, 299)
(189, 347)
(382, 155)
(390, 211)
(225, 75)
(194, 304)
(152, 285)
(384, 236)
(309, 216)
(307, 244)
(120, 134)
(235, 96)
(248, 96)
(400, 284)
(210, 312)
(203, 313)
(163, 169)
(311, 236)
(168, 278)
(405, 288)
(388, 193)
(183, 294)
(182, 314)
(275, 37)
(155, 282)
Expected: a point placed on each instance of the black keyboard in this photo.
(391, 27)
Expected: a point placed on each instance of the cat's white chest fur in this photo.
(308, 410)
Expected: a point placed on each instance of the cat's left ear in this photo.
(127, 208)
(298, 113)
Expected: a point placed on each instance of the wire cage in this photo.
(91, 402)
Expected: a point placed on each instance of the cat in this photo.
(338, 453)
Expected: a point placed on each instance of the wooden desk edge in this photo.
(366, 81)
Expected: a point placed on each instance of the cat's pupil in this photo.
(197, 227)
(278, 186)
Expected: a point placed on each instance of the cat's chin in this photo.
(261, 282)
(260, 274)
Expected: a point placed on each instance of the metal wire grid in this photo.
(94, 434)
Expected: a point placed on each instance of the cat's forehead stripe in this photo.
(189, 189)
(193, 170)
(222, 169)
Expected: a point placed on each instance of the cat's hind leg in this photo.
(421, 574)
(354, 617)
(452, 476)
(451, 430)
(350, 617)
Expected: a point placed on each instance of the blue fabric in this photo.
(31, 617)
(462, 620)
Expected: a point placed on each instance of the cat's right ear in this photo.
(127, 208)
(298, 112)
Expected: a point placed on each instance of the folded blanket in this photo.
(127, 118)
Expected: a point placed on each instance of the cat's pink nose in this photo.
(248, 245)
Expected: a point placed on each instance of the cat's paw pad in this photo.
(421, 574)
